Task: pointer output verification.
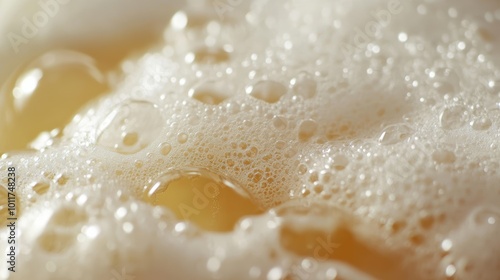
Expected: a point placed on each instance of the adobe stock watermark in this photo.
(222, 7)
(200, 201)
(323, 251)
(381, 19)
(31, 26)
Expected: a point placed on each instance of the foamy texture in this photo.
(388, 146)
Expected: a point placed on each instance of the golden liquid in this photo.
(202, 198)
(45, 95)
(340, 245)
(337, 237)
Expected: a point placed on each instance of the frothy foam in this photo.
(355, 152)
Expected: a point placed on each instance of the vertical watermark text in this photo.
(11, 218)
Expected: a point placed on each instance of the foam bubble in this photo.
(131, 127)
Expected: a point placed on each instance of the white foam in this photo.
(391, 140)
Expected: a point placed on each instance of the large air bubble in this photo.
(210, 201)
(34, 95)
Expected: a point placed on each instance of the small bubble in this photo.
(279, 122)
(179, 21)
(483, 123)
(452, 12)
(304, 85)
(131, 127)
(186, 230)
(416, 239)
(280, 145)
(307, 264)
(307, 129)
(302, 169)
(443, 156)
(494, 87)
(275, 273)
(41, 188)
(446, 245)
(397, 226)
(486, 216)
(165, 148)
(246, 224)
(91, 231)
(339, 162)
(444, 87)
(395, 133)
(332, 274)
(82, 199)
(211, 92)
(120, 213)
(182, 138)
(402, 37)
(450, 271)
(128, 227)
(213, 264)
(138, 164)
(452, 117)
(461, 45)
(208, 55)
(130, 139)
(194, 17)
(62, 179)
(268, 91)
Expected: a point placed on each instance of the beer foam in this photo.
(367, 143)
